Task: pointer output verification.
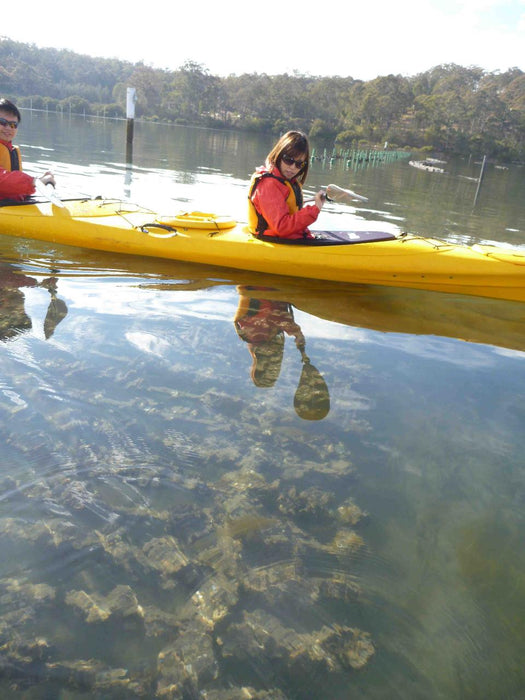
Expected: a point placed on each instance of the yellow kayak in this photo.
(370, 257)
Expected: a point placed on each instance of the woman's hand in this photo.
(300, 341)
(320, 199)
(48, 178)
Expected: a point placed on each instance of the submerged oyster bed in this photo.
(161, 540)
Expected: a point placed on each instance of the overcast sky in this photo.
(359, 39)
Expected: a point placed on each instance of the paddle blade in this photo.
(312, 399)
(334, 193)
(56, 312)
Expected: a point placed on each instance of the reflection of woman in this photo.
(262, 324)
(275, 200)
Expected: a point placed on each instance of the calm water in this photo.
(187, 512)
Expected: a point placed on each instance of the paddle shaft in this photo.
(334, 193)
(48, 191)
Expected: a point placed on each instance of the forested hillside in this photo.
(448, 108)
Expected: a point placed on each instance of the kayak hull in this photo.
(404, 261)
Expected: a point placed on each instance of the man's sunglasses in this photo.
(6, 122)
(290, 161)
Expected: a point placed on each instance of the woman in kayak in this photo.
(14, 184)
(275, 200)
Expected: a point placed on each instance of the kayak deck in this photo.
(381, 258)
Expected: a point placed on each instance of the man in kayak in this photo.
(15, 185)
(275, 200)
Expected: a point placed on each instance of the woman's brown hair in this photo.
(293, 144)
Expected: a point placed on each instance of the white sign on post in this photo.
(131, 98)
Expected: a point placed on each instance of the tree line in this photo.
(449, 108)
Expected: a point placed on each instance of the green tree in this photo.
(75, 105)
(150, 85)
(449, 107)
(192, 92)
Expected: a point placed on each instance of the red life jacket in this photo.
(257, 224)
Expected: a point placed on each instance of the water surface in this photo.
(192, 503)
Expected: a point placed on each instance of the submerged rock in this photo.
(20, 604)
(346, 541)
(28, 651)
(187, 664)
(121, 602)
(312, 503)
(30, 664)
(22, 592)
(348, 512)
(338, 587)
(244, 693)
(164, 554)
(227, 546)
(216, 597)
(263, 638)
(51, 532)
(264, 578)
(159, 623)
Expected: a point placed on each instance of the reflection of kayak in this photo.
(473, 319)
(404, 261)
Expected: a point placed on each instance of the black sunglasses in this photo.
(6, 122)
(290, 161)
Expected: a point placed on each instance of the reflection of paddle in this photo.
(56, 312)
(312, 399)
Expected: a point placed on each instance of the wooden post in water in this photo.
(481, 173)
(131, 98)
